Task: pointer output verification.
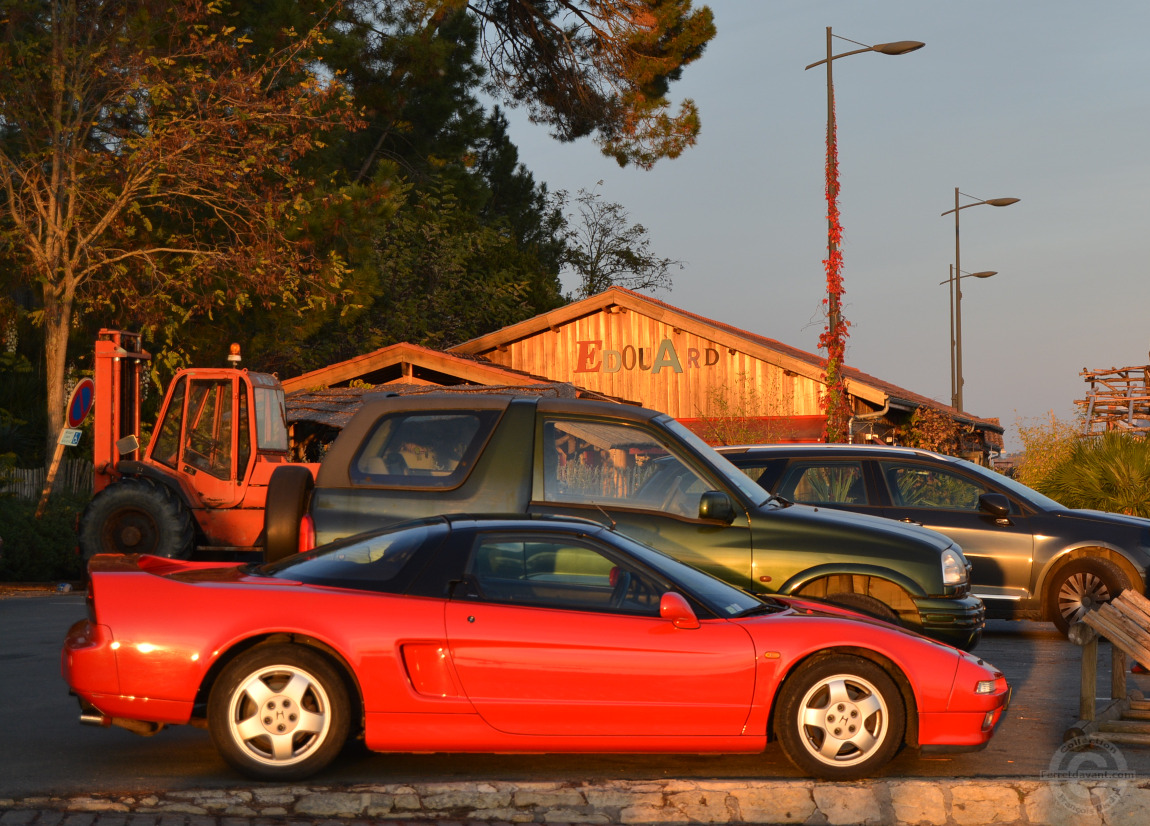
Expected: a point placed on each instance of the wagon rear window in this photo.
(422, 449)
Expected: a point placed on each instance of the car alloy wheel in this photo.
(1080, 586)
(279, 712)
(841, 717)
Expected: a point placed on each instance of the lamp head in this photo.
(1002, 201)
(898, 47)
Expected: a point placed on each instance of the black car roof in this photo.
(870, 451)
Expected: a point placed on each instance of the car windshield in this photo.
(1029, 495)
(719, 463)
(724, 600)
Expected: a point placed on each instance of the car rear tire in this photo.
(1079, 586)
(289, 493)
(864, 605)
(137, 516)
(279, 712)
(840, 717)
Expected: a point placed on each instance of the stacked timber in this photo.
(1125, 622)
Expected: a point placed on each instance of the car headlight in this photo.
(953, 567)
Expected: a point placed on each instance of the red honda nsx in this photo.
(507, 634)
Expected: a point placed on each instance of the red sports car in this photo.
(507, 634)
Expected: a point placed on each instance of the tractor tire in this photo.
(289, 494)
(137, 516)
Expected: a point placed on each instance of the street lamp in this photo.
(956, 292)
(956, 331)
(834, 337)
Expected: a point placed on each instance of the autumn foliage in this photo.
(148, 162)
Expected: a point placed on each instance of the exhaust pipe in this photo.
(143, 728)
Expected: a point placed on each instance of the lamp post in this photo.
(956, 331)
(834, 337)
(956, 292)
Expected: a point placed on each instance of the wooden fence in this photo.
(74, 476)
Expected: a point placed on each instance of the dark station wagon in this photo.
(1032, 558)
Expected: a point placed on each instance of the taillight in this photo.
(306, 533)
(90, 602)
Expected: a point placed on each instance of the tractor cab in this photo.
(214, 428)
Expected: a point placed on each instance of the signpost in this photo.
(79, 406)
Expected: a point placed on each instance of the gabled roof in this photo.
(812, 366)
(410, 364)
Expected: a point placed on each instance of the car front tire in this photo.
(279, 712)
(840, 717)
(864, 604)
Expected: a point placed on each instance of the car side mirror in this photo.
(716, 505)
(995, 504)
(674, 607)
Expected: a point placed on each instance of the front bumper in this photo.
(958, 622)
(968, 729)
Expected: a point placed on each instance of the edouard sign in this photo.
(593, 358)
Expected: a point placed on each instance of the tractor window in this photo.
(208, 443)
(167, 447)
(271, 424)
(244, 442)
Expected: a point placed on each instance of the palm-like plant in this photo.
(1107, 473)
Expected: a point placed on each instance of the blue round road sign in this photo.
(81, 401)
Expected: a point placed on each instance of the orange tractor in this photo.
(201, 483)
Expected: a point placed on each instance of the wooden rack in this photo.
(1125, 621)
(1118, 399)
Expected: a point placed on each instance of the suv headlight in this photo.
(953, 567)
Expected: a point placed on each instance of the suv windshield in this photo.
(719, 463)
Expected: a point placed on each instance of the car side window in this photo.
(919, 486)
(548, 572)
(422, 449)
(824, 483)
(588, 462)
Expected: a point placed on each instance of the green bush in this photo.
(39, 550)
(1110, 472)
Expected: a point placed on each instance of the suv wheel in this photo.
(1079, 586)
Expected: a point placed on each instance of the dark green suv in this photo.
(635, 469)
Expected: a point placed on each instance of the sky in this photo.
(1047, 101)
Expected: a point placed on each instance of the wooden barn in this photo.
(729, 385)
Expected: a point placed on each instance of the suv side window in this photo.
(422, 449)
(588, 462)
(919, 486)
(824, 483)
(552, 572)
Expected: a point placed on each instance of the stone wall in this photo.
(899, 801)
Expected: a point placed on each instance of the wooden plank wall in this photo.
(614, 353)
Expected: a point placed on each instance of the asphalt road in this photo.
(45, 750)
